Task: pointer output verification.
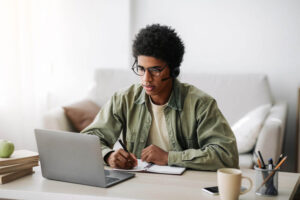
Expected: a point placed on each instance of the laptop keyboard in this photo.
(107, 172)
(110, 179)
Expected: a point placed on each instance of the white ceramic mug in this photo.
(229, 183)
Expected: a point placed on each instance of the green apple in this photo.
(6, 148)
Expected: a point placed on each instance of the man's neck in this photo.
(162, 99)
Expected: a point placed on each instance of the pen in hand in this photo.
(123, 145)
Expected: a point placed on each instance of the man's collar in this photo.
(175, 100)
(141, 97)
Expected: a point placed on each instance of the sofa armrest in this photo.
(56, 119)
(270, 139)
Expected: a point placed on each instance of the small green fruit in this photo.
(6, 148)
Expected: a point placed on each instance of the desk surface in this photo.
(142, 186)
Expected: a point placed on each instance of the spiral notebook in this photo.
(152, 168)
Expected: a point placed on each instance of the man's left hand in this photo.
(155, 155)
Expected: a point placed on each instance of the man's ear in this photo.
(174, 72)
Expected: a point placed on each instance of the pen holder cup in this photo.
(266, 182)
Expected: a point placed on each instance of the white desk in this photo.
(142, 186)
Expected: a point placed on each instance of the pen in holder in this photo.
(266, 181)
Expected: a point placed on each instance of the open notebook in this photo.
(149, 167)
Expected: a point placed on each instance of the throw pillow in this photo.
(81, 114)
(247, 129)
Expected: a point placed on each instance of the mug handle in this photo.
(251, 184)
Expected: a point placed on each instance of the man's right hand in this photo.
(122, 160)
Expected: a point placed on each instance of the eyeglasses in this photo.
(140, 71)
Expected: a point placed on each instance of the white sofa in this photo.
(236, 95)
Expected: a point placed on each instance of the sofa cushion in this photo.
(247, 129)
(236, 94)
(81, 114)
(245, 160)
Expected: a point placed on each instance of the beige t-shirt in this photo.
(158, 134)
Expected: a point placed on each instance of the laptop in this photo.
(76, 158)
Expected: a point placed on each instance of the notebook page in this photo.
(145, 166)
(166, 169)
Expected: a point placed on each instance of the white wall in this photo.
(8, 63)
(48, 52)
(72, 38)
(236, 36)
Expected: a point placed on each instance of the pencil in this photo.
(279, 159)
(262, 160)
(280, 163)
(258, 162)
(273, 172)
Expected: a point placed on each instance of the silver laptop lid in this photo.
(70, 157)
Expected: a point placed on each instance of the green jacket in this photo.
(199, 135)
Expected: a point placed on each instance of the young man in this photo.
(163, 121)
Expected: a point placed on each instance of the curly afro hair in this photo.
(161, 42)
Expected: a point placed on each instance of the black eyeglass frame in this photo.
(149, 69)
